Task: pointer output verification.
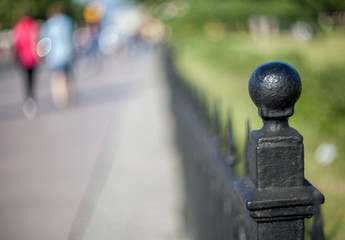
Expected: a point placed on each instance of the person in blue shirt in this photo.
(58, 30)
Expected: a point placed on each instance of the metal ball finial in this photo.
(275, 88)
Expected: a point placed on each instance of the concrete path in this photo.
(105, 168)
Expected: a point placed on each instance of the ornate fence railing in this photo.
(273, 198)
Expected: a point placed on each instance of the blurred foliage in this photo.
(11, 11)
(234, 13)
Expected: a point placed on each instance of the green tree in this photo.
(11, 11)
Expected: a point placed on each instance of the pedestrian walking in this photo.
(58, 29)
(25, 37)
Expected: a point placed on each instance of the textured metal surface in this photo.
(275, 88)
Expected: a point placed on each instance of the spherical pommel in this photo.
(275, 88)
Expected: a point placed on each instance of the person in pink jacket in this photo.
(25, 37)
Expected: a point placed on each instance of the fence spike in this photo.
(224, 135)
(199, 100)
(189, 90)
(203, 106)
(317, 229)
(195, 97)
(208, 112)
(217, 119)
(231, 139)
(186, 87)
(246, 149)
(230, 142)
(192, 94)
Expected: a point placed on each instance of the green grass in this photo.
(222, 70)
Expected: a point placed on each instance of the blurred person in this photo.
(148, 35)
(93, 15)
(25, 37)
(152, 31)
(59, 30)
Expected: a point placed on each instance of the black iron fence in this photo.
(273, 198)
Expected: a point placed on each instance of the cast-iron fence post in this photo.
(275, 193)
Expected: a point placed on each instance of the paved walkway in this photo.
(105, 168)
